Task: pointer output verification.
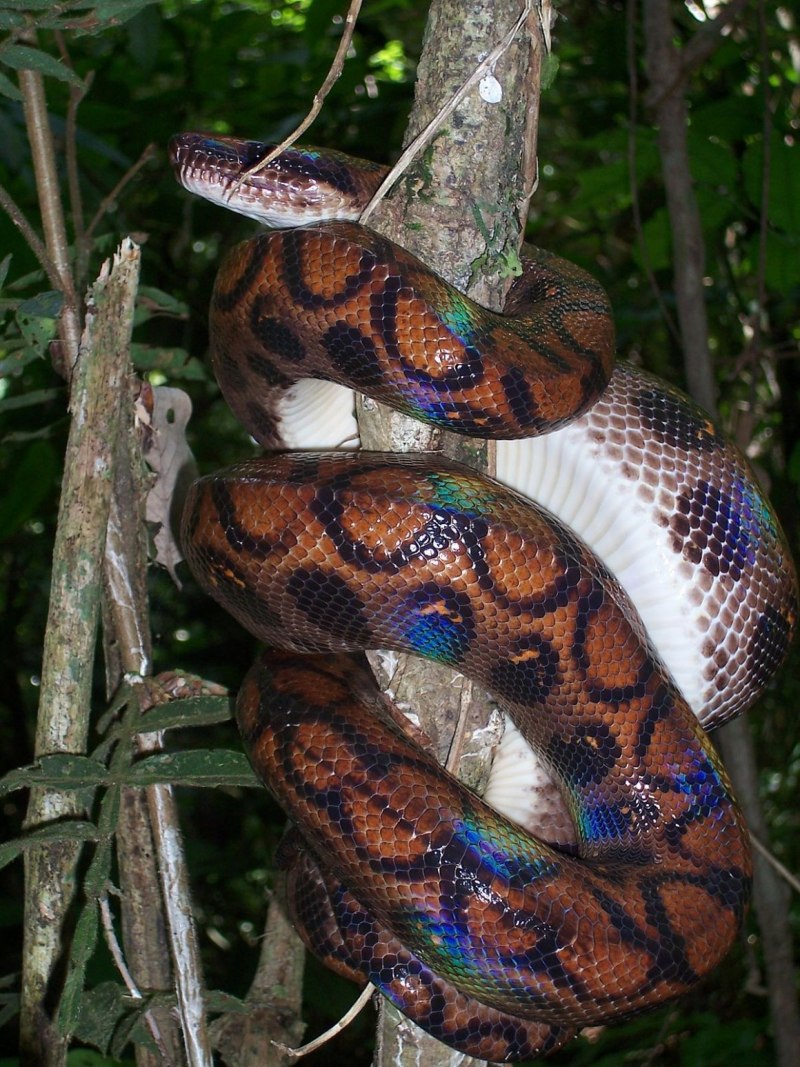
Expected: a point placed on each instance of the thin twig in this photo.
(319, 98)
(76, 95)
(784, 872)
(182, 932)
(40, 137)
(426, 135)
(133, 990)
(32, 238)
(356, 1009)
(109, 199)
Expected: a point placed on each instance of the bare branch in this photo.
(773, 861)
(32, 238)
(319, 97)
(133, 990)
(34, 105)
(108, 200)
(296, 1053)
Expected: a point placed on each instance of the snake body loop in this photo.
(496, 941)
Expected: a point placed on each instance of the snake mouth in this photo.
(297, 187)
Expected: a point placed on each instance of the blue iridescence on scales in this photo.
(603, 822)
(466, 497)
(705, 784)
(437, 623)
(445, 944)
(480, 837)
(460, 319)
(753, 508)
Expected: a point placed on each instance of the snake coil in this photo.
(498, 941)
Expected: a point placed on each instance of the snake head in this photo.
(299, 186)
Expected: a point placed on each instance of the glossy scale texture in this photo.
(496, 942)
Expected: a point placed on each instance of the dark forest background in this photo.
(145, 71)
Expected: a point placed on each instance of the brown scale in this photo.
(317, 899)
(340, 303)
(674, 872)
(514, 942)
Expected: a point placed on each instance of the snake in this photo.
(499, 939)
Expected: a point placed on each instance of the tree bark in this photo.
(462, 209)
(96, 405)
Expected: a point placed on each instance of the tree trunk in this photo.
(462, 209)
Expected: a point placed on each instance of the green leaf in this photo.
(61, 771)
(783, 261)
(192, 711)
(203, 767)
(30, 400)
(20, 355)
(657, 239)
(37, 319)
(119, 11)
(9, 88)
(162, 303)
(77, 830)
(21, 57)
(217, 1001)
(713, 165)
(83, 946)
(550, 67)
(174, 362)
(100, 1011)
(45, 305)
(87, 1057)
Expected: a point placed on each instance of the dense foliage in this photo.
(252, 68)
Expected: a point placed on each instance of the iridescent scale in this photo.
(498, 941)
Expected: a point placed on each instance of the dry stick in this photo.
(133, 990)
(108, 200)
(319, 98)
(34, 105)
(76, 95)
(353, 1012)
(34, 241)
(425, 136)
(182, 930)
(62, 724)
(127, 616)
(784, 872)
